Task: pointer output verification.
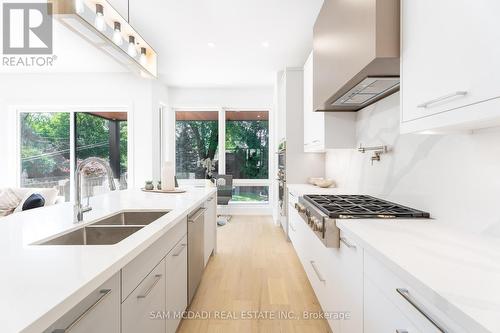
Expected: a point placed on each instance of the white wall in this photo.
(454, 177)
(241, 97)
(72, 91)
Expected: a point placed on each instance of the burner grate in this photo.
(361, 206)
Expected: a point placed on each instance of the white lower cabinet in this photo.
(419, 310)
(380, 315)
(97, 313)
(350, 288)
(146, 300)
(210, 225)
(149, 294)
(336, 275)
(361, 293)
(176, 284)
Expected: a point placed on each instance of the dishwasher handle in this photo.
(194, 217)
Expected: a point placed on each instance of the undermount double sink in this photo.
(107, 231)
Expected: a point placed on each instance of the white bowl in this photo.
(313, 180)
(324, 183)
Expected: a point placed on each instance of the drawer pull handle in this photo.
(316, 270)
(104, 293)
(146, 294)
(407, 296)
(182, 247)
(442, 98)
(347, 243)
(401, 331)
(195, 216)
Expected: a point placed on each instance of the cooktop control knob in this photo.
(319, 226)
(313, 221)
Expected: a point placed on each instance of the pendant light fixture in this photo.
(117, 34)
(79, 7)
(99, 21)
(131, 50)
(143, 59)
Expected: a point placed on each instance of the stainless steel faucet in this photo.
(377, 151)
(79, 209)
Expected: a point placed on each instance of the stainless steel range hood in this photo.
(356, 53)
(368, 91)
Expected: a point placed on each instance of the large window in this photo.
(45, 150)
(247, 144)
(196, 145)
(47, 158)
(239, 146)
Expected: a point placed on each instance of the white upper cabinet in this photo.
(450, 65)
(314, 129)
(325, 130)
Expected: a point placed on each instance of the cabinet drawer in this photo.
(422, 313)
(137, 269)
(176, 284)
(147, 298)
(380, 315)
(320, 267)
(99, 312)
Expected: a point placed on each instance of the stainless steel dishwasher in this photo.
(196, 246)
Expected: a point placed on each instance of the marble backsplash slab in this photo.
(456, 177)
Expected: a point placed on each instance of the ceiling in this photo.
(181, 30)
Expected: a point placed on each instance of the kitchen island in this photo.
(41, 283)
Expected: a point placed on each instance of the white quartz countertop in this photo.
(457, 271)
(302, 189)
(38, 284)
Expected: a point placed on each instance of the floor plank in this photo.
(255, 270)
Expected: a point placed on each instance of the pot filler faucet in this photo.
(79, 209)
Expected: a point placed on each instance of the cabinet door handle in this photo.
(182, 247)
(409, 298)
(210, 199)
(146, 294)
(442, 98)
(291, 226)
(316, 270)
(347, 243)
(195, 216)
(104, 293)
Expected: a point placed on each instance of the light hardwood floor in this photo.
(255, 269)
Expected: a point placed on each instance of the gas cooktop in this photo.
(361, 206)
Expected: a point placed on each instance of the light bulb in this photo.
(117, 34)
(143, 59)
(132, 51)
(99, 22)
(79, 8)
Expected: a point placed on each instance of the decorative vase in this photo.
(159, 186)
(149, 185)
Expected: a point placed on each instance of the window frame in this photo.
(222, 149)
(72, 111)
